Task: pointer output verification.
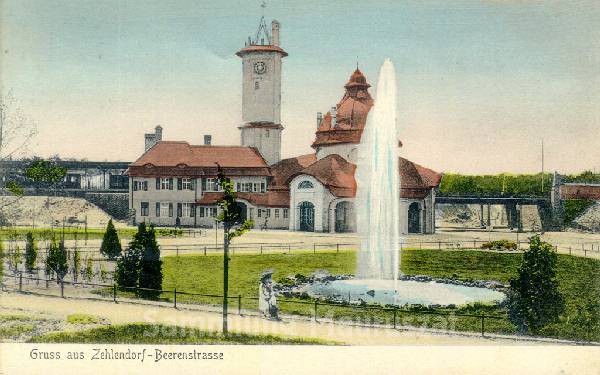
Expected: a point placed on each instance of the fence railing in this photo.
(317, 310)
(314, 247)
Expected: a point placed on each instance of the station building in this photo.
(174, 183)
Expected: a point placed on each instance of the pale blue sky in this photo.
(480, 82)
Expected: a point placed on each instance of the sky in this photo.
(481, 83)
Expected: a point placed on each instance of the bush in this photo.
(31, 252)
(111, 246)
(533, 297)
(499, 245)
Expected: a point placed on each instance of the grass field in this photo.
(579, 280)
(141, 333)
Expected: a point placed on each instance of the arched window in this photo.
(305, 185)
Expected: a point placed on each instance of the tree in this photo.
(14, 259)
(534, 300)
(1, 258)
(150, 264)
(127, 271)
(140, 265)
(103, 273)
(234, 225)
(88, 271)
(45, 173)
(111, 246)
(76, 264)
(16, 133)
(57, 260)
(31, 252)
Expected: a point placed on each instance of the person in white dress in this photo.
(267, 302)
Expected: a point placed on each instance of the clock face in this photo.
(260, 67)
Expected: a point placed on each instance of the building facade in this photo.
(174, 183)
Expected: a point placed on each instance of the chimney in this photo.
(275, 32)
(333, 117)
(319, 118)
(158, 133)
(207, 139)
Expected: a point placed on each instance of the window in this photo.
(170, 209)
(166, 184)
(255, 85)
(186, 184)
(145, 207)
(211, 184)
(277, 213)
(256, 187)
(201, 211)
(305, 185)
(251, 213)
(140, 185)
(259, 211)
(267, 134)
(268, 212)
(186, 210)
(162, 209)
(263, 187)
(285, 213)
(238, 187)
(245, 187)
(213, 212)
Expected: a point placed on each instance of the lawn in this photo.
(579, 280)
(142, 333)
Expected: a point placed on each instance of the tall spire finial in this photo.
(263, 5)
(356, 62)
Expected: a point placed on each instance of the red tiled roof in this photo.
(415, 176)
(287, 167)
(260, 48)
(351, 114)
(182, 159)
(337, 175)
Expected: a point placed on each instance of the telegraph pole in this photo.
(542, 165)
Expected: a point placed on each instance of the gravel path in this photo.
(124, 312)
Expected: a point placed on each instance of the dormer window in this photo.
(306, 185)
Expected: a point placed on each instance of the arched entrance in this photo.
(414, 218)
(344, 217)
(307, 217)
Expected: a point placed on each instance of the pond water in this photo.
(408, 292)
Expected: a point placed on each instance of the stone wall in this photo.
(114, 204)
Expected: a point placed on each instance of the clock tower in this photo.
(261, 92)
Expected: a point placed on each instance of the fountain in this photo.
(378, 220)
(378, 184)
